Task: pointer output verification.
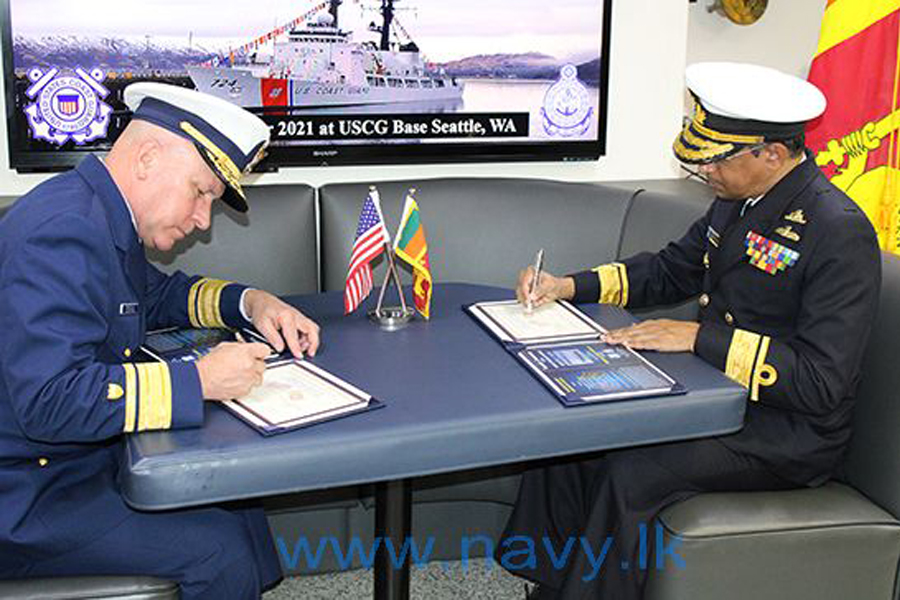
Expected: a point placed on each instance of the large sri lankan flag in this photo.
(857, 66)
(410, 245)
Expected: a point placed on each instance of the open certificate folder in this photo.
(294, 393)
(561, 346)
(552, 322)
(297, 393)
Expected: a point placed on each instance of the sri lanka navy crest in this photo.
(67, 107)
(567, 111)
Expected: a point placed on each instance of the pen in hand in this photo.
(239, 337)
(273, 355)
(532, 289)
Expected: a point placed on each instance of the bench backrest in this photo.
(660, 213)
(272, 247)
(484, 230)
(873, 459)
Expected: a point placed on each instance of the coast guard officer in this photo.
(76, 297)
(786, 270)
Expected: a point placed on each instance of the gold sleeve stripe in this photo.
(746, 362)
(217, 303)
(130, 397)
(192, 303)
(165, 414)
(207, 305)
(609, 283)
(741, 356)
(203, 303)
(204, 298)
(623, 279)
(155, 398)
(613, 284)
(764, 374)
(212, 295)
(148, 394)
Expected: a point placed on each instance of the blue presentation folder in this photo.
(189, 344)
(579, 368)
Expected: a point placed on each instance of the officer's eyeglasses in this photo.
(750, 149)
(723, 161)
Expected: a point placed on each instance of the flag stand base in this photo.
(392, 318)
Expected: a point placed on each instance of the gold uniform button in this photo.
(704, 300)
(43, 461)
(706, 260)
(729, 318)
(127, 352)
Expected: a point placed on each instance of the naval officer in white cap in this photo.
(76, 297)
(785, 269)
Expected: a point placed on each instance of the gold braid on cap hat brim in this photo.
(699, 124)
(223, 163)
(705, 153)
(703, 149)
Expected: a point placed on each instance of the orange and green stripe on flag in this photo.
(411, 247)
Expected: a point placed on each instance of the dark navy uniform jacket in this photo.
(76, 297)
(787, 295)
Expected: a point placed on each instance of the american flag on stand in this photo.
(371, 237)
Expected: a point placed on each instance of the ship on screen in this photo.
(318, 65)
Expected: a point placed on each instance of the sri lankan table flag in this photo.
(410, 245)
(857, 66)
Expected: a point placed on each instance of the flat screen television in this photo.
(338, 81)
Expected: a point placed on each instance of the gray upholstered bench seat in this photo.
(89, 588)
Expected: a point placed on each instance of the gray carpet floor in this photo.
(478, 580)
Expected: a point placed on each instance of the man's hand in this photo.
(232, 369)
(549, 288)
(281, 323)
(664, 335)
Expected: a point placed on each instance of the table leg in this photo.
(393, 517)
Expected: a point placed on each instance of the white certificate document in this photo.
(295, 393)
(555, 321)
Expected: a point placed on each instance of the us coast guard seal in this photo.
(566, 111)
(66, 107)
